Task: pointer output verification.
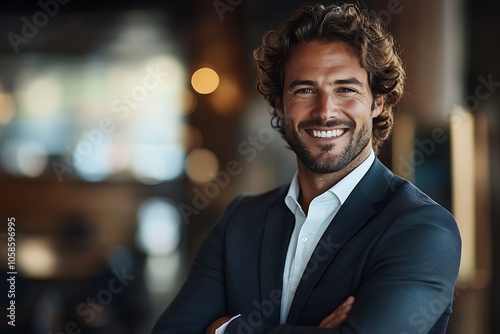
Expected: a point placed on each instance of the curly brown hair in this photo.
(364, 32)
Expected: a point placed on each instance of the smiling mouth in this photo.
(328, 134)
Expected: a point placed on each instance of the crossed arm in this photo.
(331, 321)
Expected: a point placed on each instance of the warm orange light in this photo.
(205, 80)
(6, 108)
(464, 210)
(202, 165)
(228, 97)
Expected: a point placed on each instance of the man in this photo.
(347, 247)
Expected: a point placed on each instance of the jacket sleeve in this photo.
(202, 298)
(408, 284)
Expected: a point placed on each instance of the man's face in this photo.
(327, 107)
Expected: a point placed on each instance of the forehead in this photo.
(317, 57)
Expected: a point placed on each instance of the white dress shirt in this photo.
(309, 229)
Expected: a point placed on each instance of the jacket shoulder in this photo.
(260, 201)
(408, 196)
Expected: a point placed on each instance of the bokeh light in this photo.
(36, 257)
(24, 158)
(153, 163)
(32, 159)
(202, 165)
(41, 95)
(205, 80)
(161, 273)
(159, 227)
(92, 162)
(7, 107)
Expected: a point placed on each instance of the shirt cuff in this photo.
(222, 328)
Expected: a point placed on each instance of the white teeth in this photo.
(327, 134)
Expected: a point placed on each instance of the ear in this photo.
(279, 108)
(379, 105)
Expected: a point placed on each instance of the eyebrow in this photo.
(296, 83)
(349, 81)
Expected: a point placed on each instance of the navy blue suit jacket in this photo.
(390, 246)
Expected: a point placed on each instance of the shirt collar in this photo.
(341, 189)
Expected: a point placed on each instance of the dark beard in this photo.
(321, 164)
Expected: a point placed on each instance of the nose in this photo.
(326, 106)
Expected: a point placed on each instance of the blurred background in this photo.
(126, 127)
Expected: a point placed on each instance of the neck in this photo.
(314, 184)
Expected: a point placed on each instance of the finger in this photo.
(339, 315)
(336, 318)
(334, 322)
(343, 308)
(349, 301)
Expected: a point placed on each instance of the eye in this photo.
(304, 91)
(346, 90)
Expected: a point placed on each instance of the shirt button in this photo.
(305, 239)
(294, 289)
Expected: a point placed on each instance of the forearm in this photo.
(280, 329)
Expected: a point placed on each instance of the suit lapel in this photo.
(362, 204)
(278, 229)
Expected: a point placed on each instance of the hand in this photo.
(216, 324)
(338, 316)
